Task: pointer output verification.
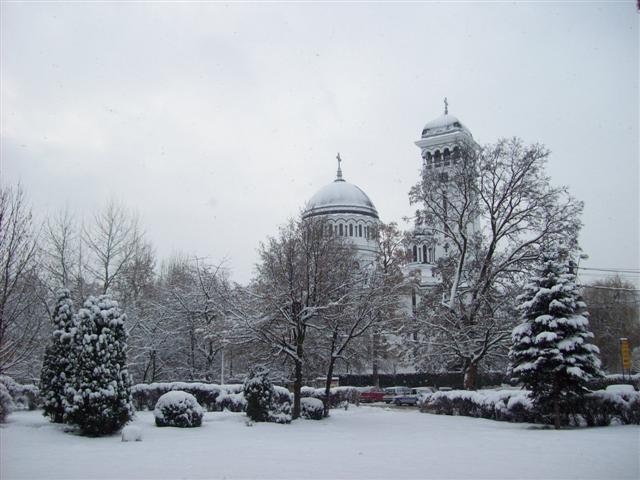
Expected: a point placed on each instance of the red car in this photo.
(371, 395)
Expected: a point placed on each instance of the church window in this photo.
(351, 230)
(437, 159)
(424, 254)
(340, 230)
(415, 253)
(446, 157)
(359, 230)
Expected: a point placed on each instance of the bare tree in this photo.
(296, 282)
(111, 241)
(21, 312)
(491, 212)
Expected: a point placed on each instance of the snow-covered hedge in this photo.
(616, 379)
(6, 403)
(178, 409)
(597, 408)
(25, 397)
(337, 395)
(311, 408)
(146, 395)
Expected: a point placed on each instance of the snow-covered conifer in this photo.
(258, 392)
(99, 402)
(58, 367)
(551, 352)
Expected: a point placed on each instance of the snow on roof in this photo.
(340, 197)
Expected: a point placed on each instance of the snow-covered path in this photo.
(362, 443)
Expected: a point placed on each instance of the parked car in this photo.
(371, 395)
(390, 393)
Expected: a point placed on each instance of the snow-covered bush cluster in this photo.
(24, 396)
(6, 403)
(85, 381)
(602, 383)
(178, 409)
(596, 408)
(266, 403)
(337, 395)
(311, 408)
(210, 396)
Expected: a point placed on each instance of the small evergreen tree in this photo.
(551, 354)
(258, 391)
(58, 367)
(99, 402)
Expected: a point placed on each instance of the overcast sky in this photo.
(216, 122)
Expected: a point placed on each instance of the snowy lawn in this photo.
(365, 442)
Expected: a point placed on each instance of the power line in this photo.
(616, 270)
(611, 288)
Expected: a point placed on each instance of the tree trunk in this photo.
(374, 357)
(297, 388)
(327, 388)
(471, 376)
(556, 413)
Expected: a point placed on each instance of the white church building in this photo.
(352, 213)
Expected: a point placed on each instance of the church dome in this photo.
(340, 197)
(443, 124)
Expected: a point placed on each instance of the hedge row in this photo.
(25, 397)
(616, 379)
(438, 380)
(146, 395)
(597, 408)
(211, 397)
(337, 395)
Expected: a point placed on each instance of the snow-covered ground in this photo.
(365, 442)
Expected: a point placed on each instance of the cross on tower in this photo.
(339, 169)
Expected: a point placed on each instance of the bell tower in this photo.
(441, 145)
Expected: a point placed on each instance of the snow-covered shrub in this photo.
(6, 403)
(337, 395)
(234, 402)
(311, 408)
(280, 408)
(258, 392)
(599, 408)
(595, 408)
(178, 409)
(99, 400)
(146, 395)
(131, 433)
(58, 367)
(616, 379)
(24, 396)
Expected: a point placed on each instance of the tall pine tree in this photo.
(551, 352)
(100, 400)
(58, 367)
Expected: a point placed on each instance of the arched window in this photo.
(340, 230)
(415, 253)
(351, 230)
(424, 254)
(359, 230)
(446, 156)
(437, 159)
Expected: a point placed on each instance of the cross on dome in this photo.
(446, 106)
(339, 174)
